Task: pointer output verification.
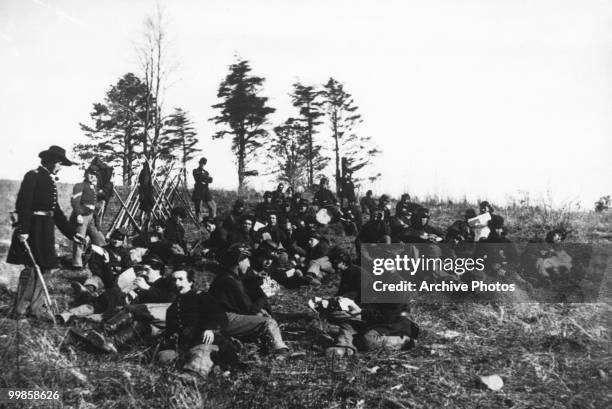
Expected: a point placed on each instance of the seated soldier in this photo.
(278, 195)
(289, 192)
(271, 231)
(246, 317)
(216, 238)
(383, 205)
(479, 224)
(174, 233)
(375, 326)
(402, 203)
(302, 236)
(245, 234)
(368, 204)
(232, 222)
(399, 224)
(470, 214)
(295, 199)
(497, 250)
(194, 322)
(106, 265)
(324, 197)
(317, 262)
(351, 219)
(375, 230)
(459, 239)
(284, 211)
(299, 215)
(289, 239)
(265, 208)
(154, 241)
(420, 230)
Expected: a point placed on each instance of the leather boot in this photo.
(121, 319)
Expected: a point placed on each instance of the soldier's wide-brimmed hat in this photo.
(56, 152)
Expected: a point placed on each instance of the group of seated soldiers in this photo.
(280, 240)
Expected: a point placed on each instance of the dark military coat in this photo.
(38, 193)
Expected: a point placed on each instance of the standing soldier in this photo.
(83, 201)
(38, 212)
(201, 193)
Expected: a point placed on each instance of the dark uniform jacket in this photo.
(161, 291)
(174, 233)
(368, 204)
(348, 190)
(298, 219)
(232, 295)
(119, 261)
(374, 231)
(277, 234)
(277, 197)
(200, 190)
(263, 210)
(240, 236)
(232, 222)
(324, 197)
(38, 193)
(399, 226)
(350, 283)
(217, 240)
(190, 315)
(318, 251)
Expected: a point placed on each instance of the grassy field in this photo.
(548, 355)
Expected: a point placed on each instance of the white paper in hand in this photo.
(125, 281)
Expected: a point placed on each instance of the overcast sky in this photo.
(482, 97)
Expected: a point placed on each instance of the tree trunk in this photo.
(184, 161)
(310, 158)
(241, 158)
(337, 151)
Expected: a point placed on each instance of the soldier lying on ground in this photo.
(273, 261)
(546, 262)
(136, 315)
(375, 326)
(149, 286)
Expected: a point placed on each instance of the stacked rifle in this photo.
(167, 194)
